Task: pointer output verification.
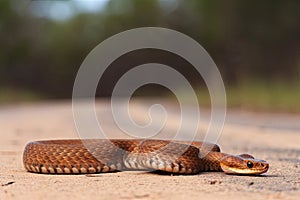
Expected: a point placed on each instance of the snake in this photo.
(85, 156)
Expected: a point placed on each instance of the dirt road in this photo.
(273, 137)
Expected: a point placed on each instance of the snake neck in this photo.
(211, 160)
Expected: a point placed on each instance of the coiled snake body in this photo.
(96, 155)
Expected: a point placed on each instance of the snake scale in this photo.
(99, 155)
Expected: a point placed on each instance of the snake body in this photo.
(97, 155)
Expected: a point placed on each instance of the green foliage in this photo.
(257, 95)
(249, 40)
(11, 95)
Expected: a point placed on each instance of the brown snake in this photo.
(96, 155)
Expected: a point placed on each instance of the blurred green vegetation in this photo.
(255, 44)
(275, 97)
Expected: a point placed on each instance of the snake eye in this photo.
(249, 164)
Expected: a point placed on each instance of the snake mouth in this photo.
(243, 171)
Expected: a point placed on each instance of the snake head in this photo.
(243, 165)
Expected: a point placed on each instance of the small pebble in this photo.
(8, 183)
(214, 182)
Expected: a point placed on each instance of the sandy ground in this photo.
(273, 137)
